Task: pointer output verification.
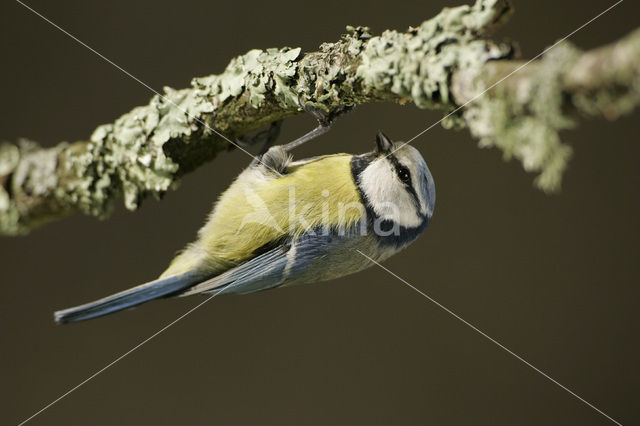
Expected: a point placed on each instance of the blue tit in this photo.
(285, 222)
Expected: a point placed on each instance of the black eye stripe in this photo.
(403, 173)
(399, 169)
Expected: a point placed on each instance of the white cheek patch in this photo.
(387, 195)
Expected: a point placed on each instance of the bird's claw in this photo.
(324, 118)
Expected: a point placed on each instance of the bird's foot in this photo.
(325, 121)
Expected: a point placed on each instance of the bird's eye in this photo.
(404, 175)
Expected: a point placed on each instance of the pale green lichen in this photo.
(609, 83)
(257, 73)
(327, 78)
(524, 121)
(9, 215)
(128, 157)
(35, 174)
(418, 65)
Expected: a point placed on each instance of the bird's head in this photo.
(396, 184)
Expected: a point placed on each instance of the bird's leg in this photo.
(267, 137)
(325, 120)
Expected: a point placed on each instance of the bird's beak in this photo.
(383, 143)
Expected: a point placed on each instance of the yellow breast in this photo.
(260, 208)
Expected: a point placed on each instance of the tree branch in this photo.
(442, 64)
(524, 112)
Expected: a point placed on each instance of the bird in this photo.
(284, 222)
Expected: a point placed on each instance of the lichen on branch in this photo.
(522, 107)
(444, 63)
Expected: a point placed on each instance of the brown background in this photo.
(554, 278)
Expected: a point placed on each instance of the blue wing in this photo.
(270, 269)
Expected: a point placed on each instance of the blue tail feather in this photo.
(129, 298)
